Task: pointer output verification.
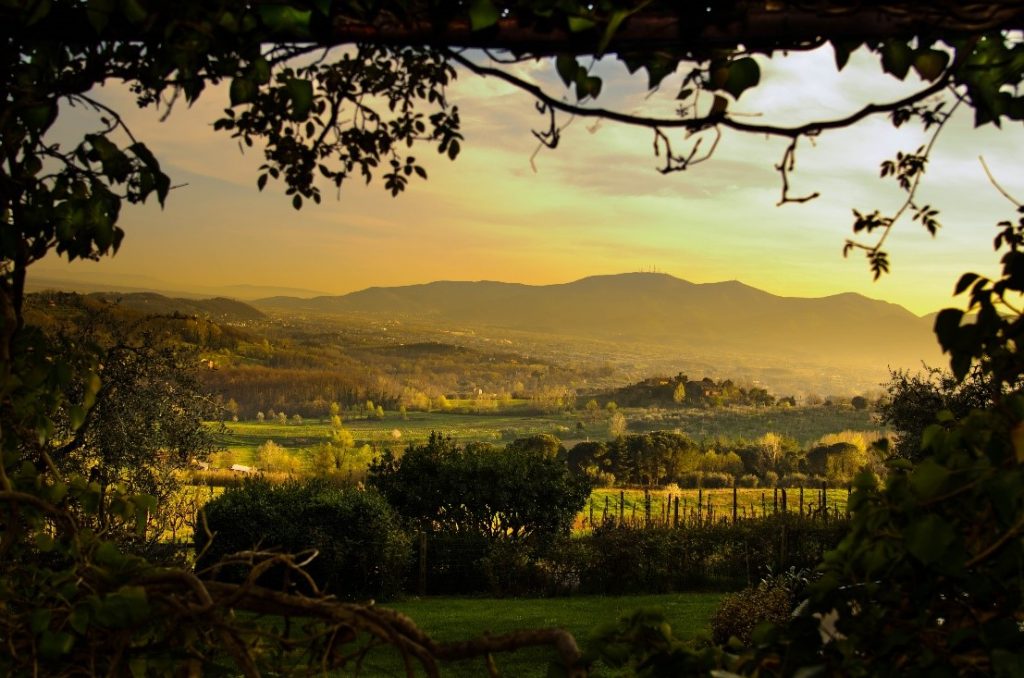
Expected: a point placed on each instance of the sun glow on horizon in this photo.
(596, 205)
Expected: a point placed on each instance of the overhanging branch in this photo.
(700, 123)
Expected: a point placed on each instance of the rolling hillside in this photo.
(654, 308)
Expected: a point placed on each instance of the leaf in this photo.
(53, 644)
(79, 619)
(966, 280)
(930, 63)
(947, 326)
(743, 74)
(92, 387)
(616, 19)
(719, 106)
(283, 18)
(123, 609)
(928, 538)
(300, 92)
(242, 91)
(843, 49)
(587, 86)
(76, 417)
(928, 478)
(482, 14)
(578, 24)
(567, 67)
(897, 58)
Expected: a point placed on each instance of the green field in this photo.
(805, 424)
(452, 619)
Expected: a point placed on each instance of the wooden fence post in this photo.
(734, 498)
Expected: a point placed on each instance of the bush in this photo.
(791, 480)
(713, 480)
(363, 551)
(748, 480)
(739, 613)
(488, 512)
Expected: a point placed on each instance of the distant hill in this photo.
(655, 308)
(220, 309)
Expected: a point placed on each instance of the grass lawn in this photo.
(451, 619)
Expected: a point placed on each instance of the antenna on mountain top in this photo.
(649, 269)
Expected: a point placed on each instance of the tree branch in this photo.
(697, 124)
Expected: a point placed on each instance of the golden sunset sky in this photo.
(596, 205)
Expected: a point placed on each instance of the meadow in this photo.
(806, 425)
(453, 619)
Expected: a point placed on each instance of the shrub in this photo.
(748, 480)
(794, 480)
(713, 480)
(739, 613)
(362, 551)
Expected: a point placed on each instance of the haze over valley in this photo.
(614, 329)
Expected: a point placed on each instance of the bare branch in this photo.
(992, 180)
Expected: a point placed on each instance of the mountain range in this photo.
(656, 308)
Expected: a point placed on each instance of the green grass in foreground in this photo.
(452, 619)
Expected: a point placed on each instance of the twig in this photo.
(992, 180)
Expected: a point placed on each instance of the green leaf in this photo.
(897, 58)
(301, 93)
(79, 619)
(567, 68)
(123, 609)
(587, 86)
(53, 644)
(242, 91)
(928, 538)
(930, 63)
(76, 416)
(108, 554)
(928, 478)
(743, 74)
(482, 14)
(283, 18)
(578, 24)
(616, 19)
(44, 542)
(39, 620)
(260, 70)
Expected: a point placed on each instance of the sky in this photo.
(595, 205)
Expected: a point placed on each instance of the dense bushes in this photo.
(486, 514)
(739, 613)
(362, 550)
